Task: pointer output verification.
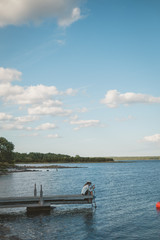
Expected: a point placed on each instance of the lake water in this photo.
(126, 195)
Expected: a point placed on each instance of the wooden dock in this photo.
(43, 203)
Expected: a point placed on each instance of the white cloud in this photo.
(153, 138)
(82, 110)
(29, 95)
(14, 126)
(50, 107)
(26, 119)
(46, 126)
(60, 42)
(8, 91)
(70, 91)
(53, 136)
(9, 75)
(18, 120)
(39, 97)
(73, 17)
(4, 116)
(18, 12)
(84, 123)
(51, 103)
(18, 123)
(73, 118)
(48, 110)
(113, 98)
(9, 122)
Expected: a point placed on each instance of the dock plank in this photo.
(29, 201)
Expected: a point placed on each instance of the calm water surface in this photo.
(126, 194)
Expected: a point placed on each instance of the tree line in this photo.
(36, 157)
(8, 156)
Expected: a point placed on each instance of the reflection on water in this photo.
(126, 195)
(59, 223)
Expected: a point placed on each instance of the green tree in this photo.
(6, 151)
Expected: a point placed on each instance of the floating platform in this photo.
(43, 203)
(14, 202)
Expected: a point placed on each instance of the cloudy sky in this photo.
(81, 76)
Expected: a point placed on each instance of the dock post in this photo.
(35, 190)
(41, 196)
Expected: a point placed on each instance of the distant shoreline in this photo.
(53, 165)
(34, 168)
(137, 158)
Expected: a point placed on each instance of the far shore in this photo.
(136, 158)
(26, 167)
(34, 168)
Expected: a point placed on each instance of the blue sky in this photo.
(81, 76)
